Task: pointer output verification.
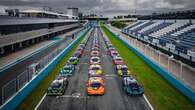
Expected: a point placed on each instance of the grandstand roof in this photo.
(21, 21)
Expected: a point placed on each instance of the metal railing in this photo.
(10, 88)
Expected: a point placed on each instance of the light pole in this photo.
(191, 17)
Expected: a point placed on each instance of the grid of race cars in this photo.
(60, 84)
(130, 84)
(96, 82)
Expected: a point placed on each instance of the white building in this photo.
(73, 11)
(2, 12)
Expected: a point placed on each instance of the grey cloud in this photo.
(104, 6)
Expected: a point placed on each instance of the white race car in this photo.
(95, 60)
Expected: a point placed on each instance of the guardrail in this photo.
(13, 102)
(188, 92)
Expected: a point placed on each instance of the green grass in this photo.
(161, 94)
(35, 96)
(118, 24)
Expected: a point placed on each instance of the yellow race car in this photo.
(122, 70)
(95, 70)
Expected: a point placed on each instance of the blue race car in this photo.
(77, 54)
(132, 87)
(67, 70)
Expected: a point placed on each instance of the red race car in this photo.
(80, 49)
(95, 53)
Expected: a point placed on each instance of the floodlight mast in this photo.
(135, 6)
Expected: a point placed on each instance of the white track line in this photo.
(148, 102)
(71, 96)
(40, 102)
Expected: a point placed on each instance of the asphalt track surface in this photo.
(76, 98)
(12, 72)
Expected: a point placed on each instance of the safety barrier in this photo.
(7, 66)
(188, 92)
(13, 102)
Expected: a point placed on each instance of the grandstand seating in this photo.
(133, 24)
(150, 27)
(183, 31)
(139, 25)
(168, 29)
(180, 33)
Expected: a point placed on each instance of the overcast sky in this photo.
(105, 7)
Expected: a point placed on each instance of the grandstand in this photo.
(175, 36)
(181, 14)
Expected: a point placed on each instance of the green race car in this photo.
(132, 87)
(73, 60)
(67, 70)
(58, 86)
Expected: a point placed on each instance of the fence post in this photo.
(159, 55)
(169, 58)
(150, 52)
(181, 70)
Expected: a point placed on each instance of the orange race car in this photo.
(95, 86)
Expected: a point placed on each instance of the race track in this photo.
(76, 98)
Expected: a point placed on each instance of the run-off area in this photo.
(76, 98)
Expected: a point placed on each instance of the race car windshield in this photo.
(124, 69)
(95, 48)
(67, 68)
(95, 59)
(55, 85)
(114, 53)
(95, 68)
(95, 85)
(72, 60)
(118, 59)
(134, 85)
